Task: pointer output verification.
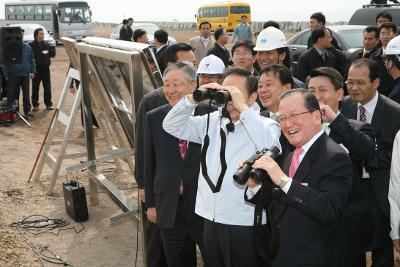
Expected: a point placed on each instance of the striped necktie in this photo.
(363, 117)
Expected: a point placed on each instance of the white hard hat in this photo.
(393, 47)
(269, 39)
(211, 65)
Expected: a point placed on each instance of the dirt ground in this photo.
(101, 242)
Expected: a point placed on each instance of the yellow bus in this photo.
(225, 14)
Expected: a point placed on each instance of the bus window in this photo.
(20, 12)
(240, 9)
(11, 12)
(38, 12)
(47, 12)
(29, 13)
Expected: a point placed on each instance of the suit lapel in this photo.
(304, 167)
(378, 113)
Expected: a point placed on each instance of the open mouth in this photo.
(293, 132)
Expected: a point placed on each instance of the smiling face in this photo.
(269, 90)
(176, 86)
(301, 127)
(243, 57)
(325, 92)
(265, 58)
(360, 87)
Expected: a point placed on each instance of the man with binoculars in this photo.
(231, 134)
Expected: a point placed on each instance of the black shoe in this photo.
(49, 108)
(35, 108)
(28, 114)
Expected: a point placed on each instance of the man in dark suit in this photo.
(171, 175)
(370, 41)
(357, 138)
(315, 183)
(367, 105)
(318, 55)
(318, 20)
(155, 255)
(123, 32)
(221, 39)
(161, 45)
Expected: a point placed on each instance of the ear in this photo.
(281, 57)
(376, 83)
(286, 87)
(340, 94)
(254, 59)
(252, 98)
(193, 85)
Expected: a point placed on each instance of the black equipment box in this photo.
(75, 201)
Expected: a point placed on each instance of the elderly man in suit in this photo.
(367, 105)
(315, 183)
(318, 55)
(171, 174)
(201, 44)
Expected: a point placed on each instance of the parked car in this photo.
(349, 37)
(150, 28)
(367, 14)
(28, 36)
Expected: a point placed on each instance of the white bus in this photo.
(63, 18)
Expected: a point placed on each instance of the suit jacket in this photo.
(152, 100)
(309, 215)
(359, 53)
(386, 123)
(358, 138)
(395, 92)
(160, 57)
(198, 47)
(310, 60)
(165, 169)
(124, 34)
(222, 53)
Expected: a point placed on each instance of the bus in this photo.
(62, 18)
(225, 14)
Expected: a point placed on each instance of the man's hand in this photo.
(328, 115)
(271, 167)
(152, 215)
(396, 244)
(238, 100)
(142, 195)
(72, 90)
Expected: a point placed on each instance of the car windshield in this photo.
(149, 28)
(352, 38)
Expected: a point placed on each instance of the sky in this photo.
(184, 10)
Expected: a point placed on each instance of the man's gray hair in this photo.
(186, 67)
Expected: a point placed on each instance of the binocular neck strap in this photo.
(206, 143)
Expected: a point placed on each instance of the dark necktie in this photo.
(182, 150)
(363, 117)
(365, 55)
(323, 56)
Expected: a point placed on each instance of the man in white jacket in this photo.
(394, 193)
(229, 138)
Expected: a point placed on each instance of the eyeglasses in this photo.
(291, 117)
(242, 54)
(350, 83)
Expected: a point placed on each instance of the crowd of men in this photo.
(330, 195)
(35, 66)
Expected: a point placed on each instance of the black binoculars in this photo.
(243, 174)
(221, 97)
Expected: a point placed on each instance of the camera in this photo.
(242, 175)
(221, 97)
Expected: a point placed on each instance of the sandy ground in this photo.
(101, 243)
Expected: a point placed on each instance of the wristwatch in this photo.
(284, 181)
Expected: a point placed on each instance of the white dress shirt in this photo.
(394, 190)
(252, 133)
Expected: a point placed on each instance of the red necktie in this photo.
(182, 150)
(295, 161)
(363, 117)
